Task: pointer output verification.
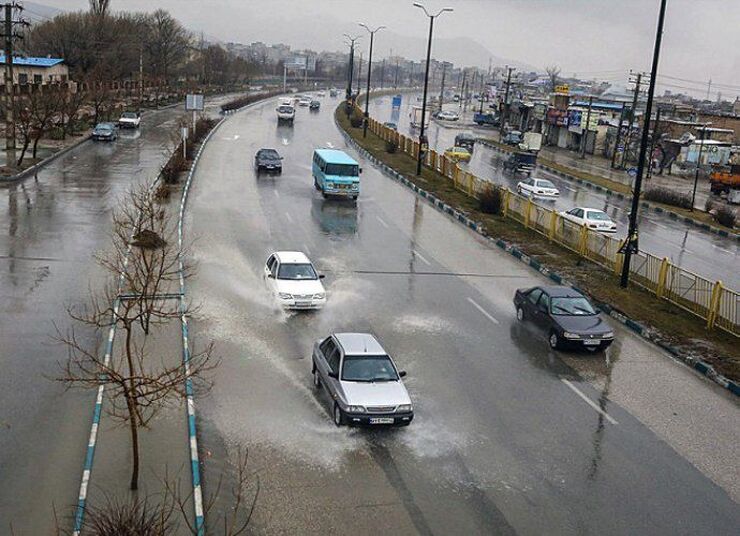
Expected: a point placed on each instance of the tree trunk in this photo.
(132, 419)
(131, 372)
(26, 143)
(35, 146)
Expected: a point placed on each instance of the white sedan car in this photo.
(448, 116)
(534, 187)
(593, 218)
(305, 100)
(293, 281)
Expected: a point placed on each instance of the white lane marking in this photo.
(483, 311)
(715, 246)
(588, 401)
(236, 136)
(290, 218)
(382, 222)
(277, 194)
(330, 145)
(305, 248)
(421, 258)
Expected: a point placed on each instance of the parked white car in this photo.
(448, 115)
(593, 218)
(542, 188)
(293, 281)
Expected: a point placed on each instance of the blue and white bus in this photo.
(335, 173)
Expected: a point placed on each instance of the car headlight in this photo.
(356, 409)
(607, 335)
(330, 185)
(569, 335)
(285, 296)
(403, 408)
(319, 296)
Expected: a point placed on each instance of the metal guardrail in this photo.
(712, 301)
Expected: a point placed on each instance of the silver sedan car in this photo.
(363, 382)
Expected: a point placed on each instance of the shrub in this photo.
(490, 199)
(726, 216)
(391, 146)
(356, 121)
(668, 197)
(163, 191)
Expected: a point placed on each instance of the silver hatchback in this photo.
(362, 380)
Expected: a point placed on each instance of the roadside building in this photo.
(37, 71)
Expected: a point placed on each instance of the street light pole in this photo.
(630, 245)
(369, 72)
(350, 70)
(422, 138)
(698, 165)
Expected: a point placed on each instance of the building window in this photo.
(38, 79)
(23, 78)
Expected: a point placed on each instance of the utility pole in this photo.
(633, 113)
(395, 81)
(631, 243)
(588, 124)
(382, 74)
(653, 139)
(359, 74)
(369, 73)
(709, 88)
(698, 165)
(442, 90)
(9, 35)
(141, 76)
(505, 107)
(619, 137)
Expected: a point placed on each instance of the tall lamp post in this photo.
(422, 137)
(369, 71)
(630, 245)
(702, 135)
(350, 69)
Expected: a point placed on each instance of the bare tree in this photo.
(24, 122)
(138, 381)
(99, 7)
(45, 110)
(70, 106)
(166, 42)
(553, 73)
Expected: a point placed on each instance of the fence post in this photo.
(456, 176)
(527, 212)
(583, 243)
(553, 225)
(505, 211)
(469, 180)
(662, 274)
(714, 304)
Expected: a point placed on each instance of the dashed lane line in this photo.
(588, 401)
(483, 311)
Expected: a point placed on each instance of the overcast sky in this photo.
(601, 38)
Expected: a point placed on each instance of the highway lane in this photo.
(508, 438)
(50, 226)
(700, 251)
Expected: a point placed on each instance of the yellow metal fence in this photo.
(712, 301)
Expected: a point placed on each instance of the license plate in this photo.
(381, 420)
(302, 303)
(592, 342)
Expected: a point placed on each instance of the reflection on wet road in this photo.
(500, 443)
(705, 253)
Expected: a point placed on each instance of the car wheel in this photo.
(520, 314)
(338, 415)
(316, 184)
(316, 379)
(354, 198)
(324, 194)
(554, 340)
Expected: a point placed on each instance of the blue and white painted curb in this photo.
(646, 333)
(732, 235)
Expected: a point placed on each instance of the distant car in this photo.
(268, 160)
(293, 281)
(321, 94)
(593, 218)
(314, 105)
(333, 92)
(105, 132)
(391, 125)
(448, 115)
(459, 154)
(542, 188)
(465, 139)
(362, 381)
(129, 120)
(566, 315)
(305, 100)
(513, 137)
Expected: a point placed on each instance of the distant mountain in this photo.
(34, 12)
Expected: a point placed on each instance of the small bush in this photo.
(668, 197)
(391, 146)
(355, 121)
(163, 191)
(490, 200)
(709, 205)
(726, 216)
(56, 133)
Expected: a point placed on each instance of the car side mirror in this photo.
(321, 276)
(270, 276)
(360, 171)
(402, 373)
(333, 374)
(597, 310)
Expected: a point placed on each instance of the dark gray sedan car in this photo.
(105, 132)
(566, 315)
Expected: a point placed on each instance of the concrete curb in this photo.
(645, 332)
(46, 161)
(726, 233)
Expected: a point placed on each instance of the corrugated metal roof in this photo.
(334, 156)
(33, 62)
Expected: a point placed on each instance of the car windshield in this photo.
(573, 306)
(269, 155)
(129, 115)
(368, 368)
(285, 109)
(103, 127)
(593, 215)
(344, 170)
(296, 272)
(542, 183)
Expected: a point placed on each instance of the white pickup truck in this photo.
(129, 120)
(286, 112)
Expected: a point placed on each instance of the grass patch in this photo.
(677, 327)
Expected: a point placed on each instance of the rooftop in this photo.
(335, 156)
(359, 343)
(33, 62)
(292, 257)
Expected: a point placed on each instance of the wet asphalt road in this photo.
(702, 252)
(50, 225)
(507, 438)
